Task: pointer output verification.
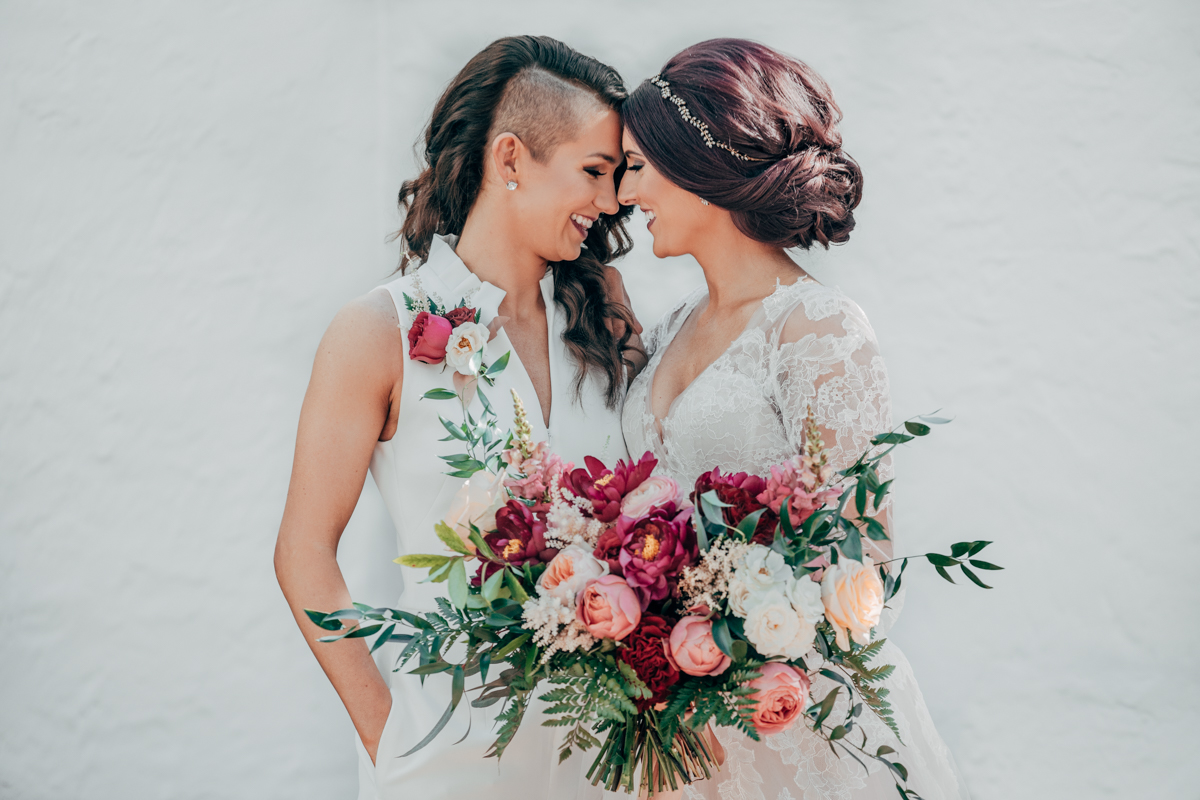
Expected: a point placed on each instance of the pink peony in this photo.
(657, 490)
(607, 488)
(782, 694)
(608, 608)
(739, 491)
(692, 649)
(797, 482)
(654, 548)
(427, 338)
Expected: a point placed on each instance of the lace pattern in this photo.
(808, 345)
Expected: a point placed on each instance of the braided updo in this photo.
(800, 187)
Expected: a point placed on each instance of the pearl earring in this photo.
(512, 186)
(704, 202)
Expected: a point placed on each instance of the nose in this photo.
(606, 201)
(627, 193)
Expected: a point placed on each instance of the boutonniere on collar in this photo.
(453, 336)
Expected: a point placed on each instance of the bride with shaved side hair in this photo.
(515, 216)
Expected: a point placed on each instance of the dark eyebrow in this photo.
(635, 153)
(605, 156)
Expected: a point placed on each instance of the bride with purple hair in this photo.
(733, 154)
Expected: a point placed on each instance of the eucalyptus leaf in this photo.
(361, 633)
(491, 587)
(384, 637)
(423, 560)
(983, 564)
(851, 546)
(452, 429)
(973, 577)
(439, 394)
(450, 538)
(749, 523)
(321, 621)
(939, 560)
(499, 364)
(458, 584)
(916, 428)
(514, 585)
(942, 571)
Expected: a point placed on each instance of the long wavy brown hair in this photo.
(438, 200)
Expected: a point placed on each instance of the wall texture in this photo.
(189, 191)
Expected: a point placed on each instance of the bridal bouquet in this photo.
(640, 610)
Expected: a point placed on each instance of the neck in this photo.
(492, 249)
(740, 270)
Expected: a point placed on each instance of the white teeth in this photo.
(649, 215)
(584, 221)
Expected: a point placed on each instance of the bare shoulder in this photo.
(363, 338)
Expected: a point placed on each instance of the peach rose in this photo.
(782, 694)
(692, 650)
(569, 572)
(853, 598)
(656, 490)
(608, 608)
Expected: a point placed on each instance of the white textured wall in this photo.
(188, 191)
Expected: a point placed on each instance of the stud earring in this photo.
(512, 186)
(704, 202)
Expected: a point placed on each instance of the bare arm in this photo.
(617, 295)
(351, 402)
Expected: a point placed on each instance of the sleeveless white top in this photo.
(417, 492)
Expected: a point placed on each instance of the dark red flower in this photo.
(520, 537)
(645, 650)
(740, 491)
(654, 548)
(457, 316)
(608, 548)
(605, 487)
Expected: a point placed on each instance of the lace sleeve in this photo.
(827, 358)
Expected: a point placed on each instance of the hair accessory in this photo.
(704, 202)
(701, 126)
(512, 186)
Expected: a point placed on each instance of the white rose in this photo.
(805, 596)
(739, 592)
(762, 569)
(853, 598)
(464, 351)
(775, 629)
(478, 500)
(569, 571)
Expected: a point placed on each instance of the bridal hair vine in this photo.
(699, 124)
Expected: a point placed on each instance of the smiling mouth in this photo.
(650, 217)
(582, 224)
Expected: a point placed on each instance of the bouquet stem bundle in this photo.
(635, 753)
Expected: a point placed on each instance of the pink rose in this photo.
(656, 490)
(570, 571)
(798, 482)
(457, 316)
(782, 694)
(608, 608)
(427, 338)
(692, 650)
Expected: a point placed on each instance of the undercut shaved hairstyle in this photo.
(543, 110)
(540, 90)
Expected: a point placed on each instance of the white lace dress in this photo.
(807, 344)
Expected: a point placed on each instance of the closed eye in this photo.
(595, 173)
(634, 167)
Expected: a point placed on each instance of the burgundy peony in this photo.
(654, 548)
(645, 651)
(608, 548)
(457, 316)
(520, 537)
(740, 490)
(607, 488)
(427, 338)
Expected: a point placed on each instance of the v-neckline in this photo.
(659, 423)
(546, 285)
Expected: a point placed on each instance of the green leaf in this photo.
(514, 585)
(720, 632)
(452, 429)
(511, 646)
(916, 428)
(450, 538)
(362, 633)
(498, 365)
(959, 549)
(749, 523)
(851, 546)
(976, 547)
(701, 533)
(384, 637)
(439, 394)
(860, 498)
(939, 560)
(423, 560)
(983, 564)
(974, 578)
(458, 584)
(837, 733)
(491, 587)
(891, 438)
(318, 619)
(882, 493)
(826, 707)
(942, 571)
(875, 530)
(883, 750)
(934, 420)
(456, 695)
(739, 648)
(482, 546)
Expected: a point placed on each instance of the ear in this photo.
(508, 156)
